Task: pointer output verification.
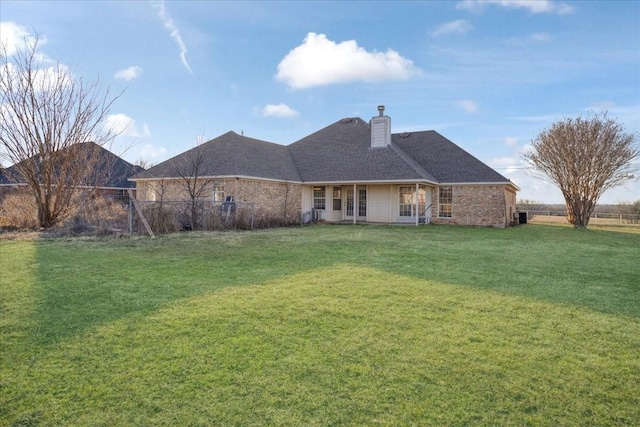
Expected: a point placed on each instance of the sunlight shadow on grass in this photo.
(344, 345)
(17, 299)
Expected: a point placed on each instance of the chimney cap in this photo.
(381, 109)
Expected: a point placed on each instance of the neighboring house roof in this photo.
(341, 152)
(230, 155)
(109, 171)
(4, 179)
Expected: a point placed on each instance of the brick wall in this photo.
(273, 198)
(480, 205)
(269, 197)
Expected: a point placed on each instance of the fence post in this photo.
(140, 214)
(130, 217)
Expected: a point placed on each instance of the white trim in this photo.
(253, 178)
(24, 184)
(392, 181)
(362, 182)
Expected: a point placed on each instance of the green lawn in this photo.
(323, 325)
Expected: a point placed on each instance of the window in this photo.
(408, 201)
(319, 197)
(362, 202)
(151, 193)
(337, 199)
(218, 192)
(349, 202)
(445, 202)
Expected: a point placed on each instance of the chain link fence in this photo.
(174, 216)
(117, 214)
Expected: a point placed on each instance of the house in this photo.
(352, 170)
(108, 177)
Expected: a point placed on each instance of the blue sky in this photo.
(487, 75)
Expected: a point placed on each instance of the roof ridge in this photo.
(411, 162)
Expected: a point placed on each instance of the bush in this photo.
(170, 217)
(18, 209)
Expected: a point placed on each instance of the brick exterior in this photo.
(279, 199)
(477, 205)
(270, 197)
(480, 205)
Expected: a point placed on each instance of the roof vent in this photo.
(346, 120)
(380, 110)
(405, 134)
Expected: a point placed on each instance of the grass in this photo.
(326, 325)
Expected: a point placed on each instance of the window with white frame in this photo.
(151, 192)
(445, 202)
(408, 201)
(362, 202)
(337, 199)
(218, 192)
(319, 197)
(349, 201)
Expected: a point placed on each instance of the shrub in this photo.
(18, 209)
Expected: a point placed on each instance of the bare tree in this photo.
(160, 218)
(190, 168)
(47, 117)
(584, 158)
(144, 163)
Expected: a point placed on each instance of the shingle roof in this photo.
(444, 160)
(341, 152)
(4, 178)
(108, 171)
(230, 155)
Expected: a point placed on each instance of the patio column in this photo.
(355, 204)
(417, 199)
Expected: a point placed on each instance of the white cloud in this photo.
(49, 79)
(319, 61)
(505, 161)
(123, 125)
(539, 37)
(168, 23)
(279, 110)
(548, 118)
(468, 105)
(14, 37)
(534, 6)
(149, 151)
(511, 141)
(459, 26)
(129, 74)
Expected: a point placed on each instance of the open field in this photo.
(595, 220)
(323, 325)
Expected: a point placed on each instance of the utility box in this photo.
(522, 217)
